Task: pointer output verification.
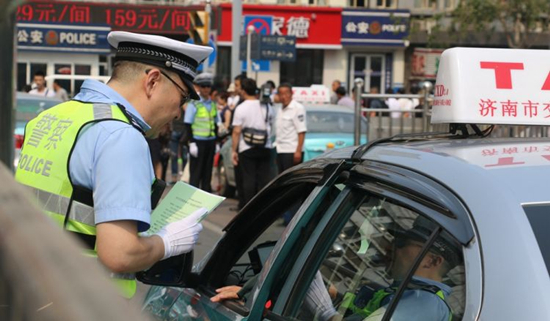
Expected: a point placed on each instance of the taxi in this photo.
(438, 226)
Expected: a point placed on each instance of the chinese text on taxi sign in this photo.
(509, 108)
(493, 86)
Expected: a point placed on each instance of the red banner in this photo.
(315, 27)
(126, 17)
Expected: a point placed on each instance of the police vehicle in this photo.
(439, 226)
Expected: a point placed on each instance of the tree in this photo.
(521, 21)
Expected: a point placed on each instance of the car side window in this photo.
(253, 259)
(372, 256)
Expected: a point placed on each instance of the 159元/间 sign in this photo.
(153, 19)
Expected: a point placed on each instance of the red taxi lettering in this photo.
(546, 85)
(440, 90)
(503, 72)
(505, 161)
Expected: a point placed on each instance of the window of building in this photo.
(306, 70)
(427, 4)
(449, 4)
(289, 1)
(381, 4)
(358, 3)
(22, 79)
(386, 3)
(103, 65)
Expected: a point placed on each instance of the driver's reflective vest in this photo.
(376, 301)
(204, 123)
(44, 167)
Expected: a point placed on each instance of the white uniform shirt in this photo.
(46, 93)
(250, 114)
(290, 121)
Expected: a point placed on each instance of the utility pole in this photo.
(249, 35)
(207, 18)
(358, 105)
(236, 17)
(7, 79)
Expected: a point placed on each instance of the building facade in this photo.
(335, 39)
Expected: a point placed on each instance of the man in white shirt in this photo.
(290, 126)
(39, 80)
(253, 160)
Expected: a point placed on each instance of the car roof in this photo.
(24, 95)
(518, 167)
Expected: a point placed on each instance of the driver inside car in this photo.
(423, 299)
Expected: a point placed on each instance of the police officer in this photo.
(201, 128)
(87, 159)
(425, 297)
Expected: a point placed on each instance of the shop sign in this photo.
(425, 63)
(308, 24)
(119, 16)
(378, 28)
(44, 37)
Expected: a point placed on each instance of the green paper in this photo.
(365, 230)
(182, 200)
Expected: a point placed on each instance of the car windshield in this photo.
(539, 217)
(331, 122)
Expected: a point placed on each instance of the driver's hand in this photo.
(226, 293)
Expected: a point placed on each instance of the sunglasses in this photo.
(185, 96)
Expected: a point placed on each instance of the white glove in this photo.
(217, 149)
(317, 299)
(180, 237)
(193, 150)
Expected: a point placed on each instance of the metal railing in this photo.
(385, 122)
(43, 274)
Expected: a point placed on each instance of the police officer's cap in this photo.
(180, 57)
(204, 79)
(421, 231)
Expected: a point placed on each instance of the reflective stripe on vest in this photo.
(43, 166)
(203, 125)
(376, 302)
(50, 202)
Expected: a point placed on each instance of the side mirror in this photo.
(174, 271)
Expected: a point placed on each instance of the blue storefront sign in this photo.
(62, 38)
(375, 28)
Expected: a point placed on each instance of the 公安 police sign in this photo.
(378, 28)
(63, 38)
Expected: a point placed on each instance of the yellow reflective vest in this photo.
(44, 167)
(204, 123)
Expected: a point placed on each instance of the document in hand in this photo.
(182, 200)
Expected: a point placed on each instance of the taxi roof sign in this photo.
(317, 94)
(493, 86)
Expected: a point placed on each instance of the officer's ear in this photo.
(150, 83)
(434, 261)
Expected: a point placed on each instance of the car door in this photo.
(397, 237)
(255, 242)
